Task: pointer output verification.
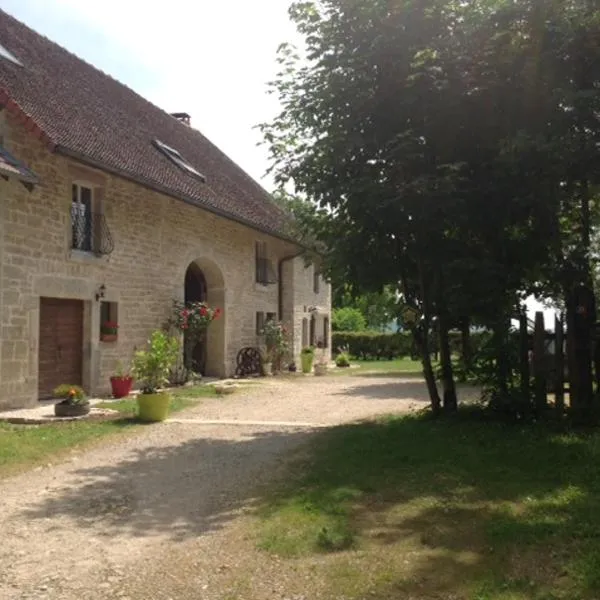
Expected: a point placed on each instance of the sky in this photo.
(209, 58)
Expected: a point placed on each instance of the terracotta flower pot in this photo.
(121, 386)
(108, 337)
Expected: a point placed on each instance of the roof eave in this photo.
(82, 158)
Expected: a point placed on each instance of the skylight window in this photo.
(175, 157)
(4, 53)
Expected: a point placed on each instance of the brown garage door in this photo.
(61, 344)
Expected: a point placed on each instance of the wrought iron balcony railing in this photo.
(90, 233)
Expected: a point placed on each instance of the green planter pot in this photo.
(307, 362)
(153, 408)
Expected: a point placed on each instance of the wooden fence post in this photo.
(539, 365)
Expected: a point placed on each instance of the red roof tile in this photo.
(85, 113)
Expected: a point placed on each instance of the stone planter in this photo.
(320, 369)
(267, 368)
(71, 410)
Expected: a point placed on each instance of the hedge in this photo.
(372, 345)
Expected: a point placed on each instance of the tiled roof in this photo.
(85, 113)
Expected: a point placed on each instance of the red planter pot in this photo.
(108, 337)
(121, 386)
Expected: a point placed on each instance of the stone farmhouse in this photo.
(111, 208)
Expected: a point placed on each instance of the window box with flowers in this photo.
(109, 331)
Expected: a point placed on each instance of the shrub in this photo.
(369, 345)
(348, 319)
(342, 360)
(151, 367)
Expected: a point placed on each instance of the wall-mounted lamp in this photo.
(100, 292)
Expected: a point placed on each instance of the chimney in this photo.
(183, 117)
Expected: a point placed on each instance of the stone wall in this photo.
(155, 240)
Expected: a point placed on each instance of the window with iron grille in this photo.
(89, 231)
(82, 218)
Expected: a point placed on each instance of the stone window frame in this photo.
(95, 182)
(316, 280)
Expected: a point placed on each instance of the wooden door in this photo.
(61, 344)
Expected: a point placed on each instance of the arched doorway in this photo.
(204, 283)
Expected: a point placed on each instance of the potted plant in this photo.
(266, 361)
(74, 402)
(342, 360)
(151, 368)
(307, 357)
(109, 331)
(321, 365)
(121, 382)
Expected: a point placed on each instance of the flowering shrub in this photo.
(193, 317)
(70, 394)
(109, 328)
(276, 341)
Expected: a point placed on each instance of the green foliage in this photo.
(151, 367)
(308, 350)
(342, 360)
(276, 341)
(72, 394)
(372, 345)
(348, 319)
(426, 184)
(380, 308)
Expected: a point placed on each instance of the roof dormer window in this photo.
(4, 53)
(175, 157)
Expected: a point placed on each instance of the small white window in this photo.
(4, 53)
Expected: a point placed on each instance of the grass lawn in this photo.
(24, 446)
(462, 509)
(402, 366)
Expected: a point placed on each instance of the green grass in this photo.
(403, 367)
(465, 509)
(25, 446)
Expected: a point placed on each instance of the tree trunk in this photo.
(559, 365)
(467, 354)
(524, 357)
(450, 400)
(421, 337)
(502, 360)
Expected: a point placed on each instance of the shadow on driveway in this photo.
(179, 491)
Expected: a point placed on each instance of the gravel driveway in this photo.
(86, 527)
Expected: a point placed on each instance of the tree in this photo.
(448, 146)
(380, 308)
(348, 319)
